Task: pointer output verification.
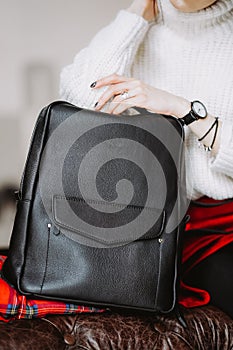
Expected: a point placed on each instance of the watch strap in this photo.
(188, 118)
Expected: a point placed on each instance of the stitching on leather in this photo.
(46, 260)
(85, 234)
(161, 228)
(95, 201)
(159, 274)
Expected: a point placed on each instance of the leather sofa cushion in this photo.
(208, 328)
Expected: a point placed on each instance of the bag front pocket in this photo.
(106, 224)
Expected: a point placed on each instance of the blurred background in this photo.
(37, 38)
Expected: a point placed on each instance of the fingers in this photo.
(116, 90)
(110, 79)
(120, 99)
(117, 84)
(118, 107)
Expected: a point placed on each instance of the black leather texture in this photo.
(101, 210)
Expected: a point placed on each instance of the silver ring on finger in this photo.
(125, 95)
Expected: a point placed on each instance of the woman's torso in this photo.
(195, 61)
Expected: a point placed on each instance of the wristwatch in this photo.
(198, 111)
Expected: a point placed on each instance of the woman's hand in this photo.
(146, 8)
(127, 92)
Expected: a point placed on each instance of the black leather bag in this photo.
(100, 210)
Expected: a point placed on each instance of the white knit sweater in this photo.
(188, 54)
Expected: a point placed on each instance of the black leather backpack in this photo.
(101, 210)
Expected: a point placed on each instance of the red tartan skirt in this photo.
(209, 229)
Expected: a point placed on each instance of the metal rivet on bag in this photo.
(160, 240)
(56, 231)
(69, 339)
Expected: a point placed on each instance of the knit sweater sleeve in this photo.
(223, 162)
(112, 50)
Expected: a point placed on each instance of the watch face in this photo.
(199, 109)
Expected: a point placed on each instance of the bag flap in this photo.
(106, 223)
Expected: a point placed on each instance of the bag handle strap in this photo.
(141, 110)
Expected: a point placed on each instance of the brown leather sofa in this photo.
(208, 329)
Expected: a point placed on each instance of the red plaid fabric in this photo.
(16, 306)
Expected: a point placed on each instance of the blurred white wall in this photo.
(38, 38)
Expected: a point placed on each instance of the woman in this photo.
(175, 57)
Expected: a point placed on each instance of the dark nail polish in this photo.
(93, 84)
(96, 104)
